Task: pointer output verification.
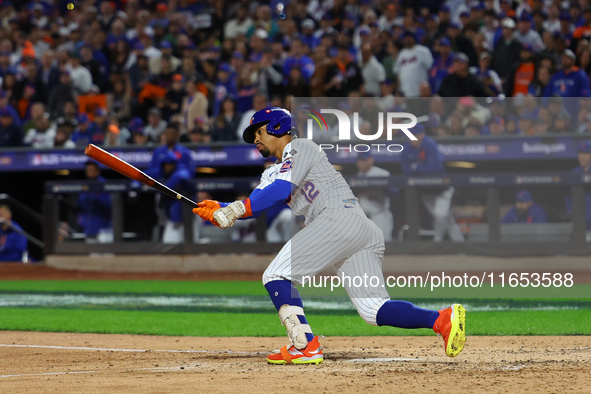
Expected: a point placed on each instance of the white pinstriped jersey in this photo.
(319, 185)
(337, 232)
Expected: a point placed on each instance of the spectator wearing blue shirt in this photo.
(5, 106)
(173, 174)
(584, 167)
(5, 66)
(307, 36)
(139, 136)
(85, 130)
(116, 34)
(172, 145)
(570, 81)
(246, 91)
(13, 244)
(424, 157)
(525, 210)
(488, 76)
(95, 208)
(161, 17)
(442, 65)
(226, 86)
(299, 59)
(10, 134)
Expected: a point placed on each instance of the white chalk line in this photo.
(104, 349)
(182, 368)
(47, 373)
(50, 300)
(278, 368)
(384, 360)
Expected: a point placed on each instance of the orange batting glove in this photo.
(206, 209)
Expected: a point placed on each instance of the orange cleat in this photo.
(312, 354)
(451, 324)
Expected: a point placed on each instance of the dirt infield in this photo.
(49, 362)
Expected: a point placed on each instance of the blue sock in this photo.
(284, 292)
(403, 314)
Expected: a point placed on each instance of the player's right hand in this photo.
(227, 215)
(206, 208)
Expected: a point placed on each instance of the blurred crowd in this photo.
(117, 72)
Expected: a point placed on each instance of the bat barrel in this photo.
(124, 168)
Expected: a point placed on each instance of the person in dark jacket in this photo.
(13, 244)
(63, 93)
(175, 96)
(344, 76)
(461, 82)
(226, 123)
(95, 208)
(525, 210)
(507, 51)
(461, 43)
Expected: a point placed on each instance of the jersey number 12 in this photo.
(309, 192)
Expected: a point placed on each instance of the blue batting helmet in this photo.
(278, 121)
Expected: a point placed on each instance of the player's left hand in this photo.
(206, 209)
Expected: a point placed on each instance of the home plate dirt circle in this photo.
(41, 362)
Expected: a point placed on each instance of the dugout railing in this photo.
(574, 184)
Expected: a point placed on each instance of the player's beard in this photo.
(264, 151)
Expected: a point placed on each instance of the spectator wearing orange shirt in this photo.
(523, 74)
(585, 30)
(25, 102)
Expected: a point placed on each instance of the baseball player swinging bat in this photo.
(124, 168)
(337, 235)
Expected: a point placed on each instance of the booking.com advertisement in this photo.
(397, 197)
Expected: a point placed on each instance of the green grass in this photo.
(239, 321)
(209, 324)
(227, 288)
(255, 288)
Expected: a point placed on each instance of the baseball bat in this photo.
(124, 168)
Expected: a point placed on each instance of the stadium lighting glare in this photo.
(460, 164)
(206, 170)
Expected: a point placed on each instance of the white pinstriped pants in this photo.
(342, 238)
